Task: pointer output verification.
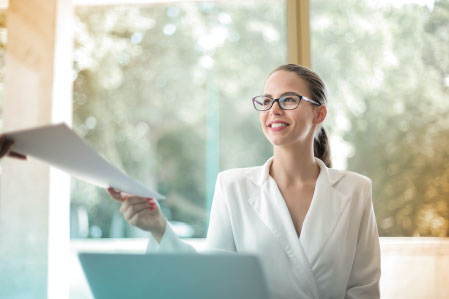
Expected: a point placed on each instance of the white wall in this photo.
(34, 200)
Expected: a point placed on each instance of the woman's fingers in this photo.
(137, 199)
(134, 209)
(116, 194)
(143, 213)
(131, 201)
(133, 205)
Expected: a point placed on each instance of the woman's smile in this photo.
(278, 125)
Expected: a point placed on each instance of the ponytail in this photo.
(321, 148)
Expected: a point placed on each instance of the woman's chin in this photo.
(278, 141)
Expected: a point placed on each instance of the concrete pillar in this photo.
(35, 200)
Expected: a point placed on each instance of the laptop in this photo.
(174, 276)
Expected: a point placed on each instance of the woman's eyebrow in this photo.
(287, 93)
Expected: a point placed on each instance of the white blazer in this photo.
(337, 254)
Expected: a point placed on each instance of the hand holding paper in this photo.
(62, 148)
(141, 212)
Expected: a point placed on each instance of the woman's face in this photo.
(299, 124)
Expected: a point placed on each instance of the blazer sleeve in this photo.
(219, 236)
(170, 243)
(365, 273)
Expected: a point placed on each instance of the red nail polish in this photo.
(152, 208)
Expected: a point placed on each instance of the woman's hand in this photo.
(5, 146)
(141, 212)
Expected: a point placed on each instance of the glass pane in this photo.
(161, 91)
(387, 69)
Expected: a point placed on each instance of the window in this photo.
(164, 92)
(387, 70)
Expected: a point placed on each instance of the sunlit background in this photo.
(163, 91)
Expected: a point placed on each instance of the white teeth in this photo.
(277, 125)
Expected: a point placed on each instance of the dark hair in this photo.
(318, 92)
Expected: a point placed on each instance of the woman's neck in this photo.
(294, 165)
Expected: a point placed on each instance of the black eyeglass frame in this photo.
(283, 97)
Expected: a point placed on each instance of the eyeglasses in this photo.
(287, 102)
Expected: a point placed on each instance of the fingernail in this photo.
(152, 208)
(149, 198)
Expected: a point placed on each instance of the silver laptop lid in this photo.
(172, 276)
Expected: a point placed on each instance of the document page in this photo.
(62, 148)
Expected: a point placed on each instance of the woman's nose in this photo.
(276, 109)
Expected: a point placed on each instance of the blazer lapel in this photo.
(324, 212)
(272, 210)
(269, 205)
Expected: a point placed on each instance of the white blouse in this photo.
(337, 254)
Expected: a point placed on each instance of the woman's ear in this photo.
(320, 114)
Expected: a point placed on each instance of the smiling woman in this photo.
(312, 227)
(312, 84)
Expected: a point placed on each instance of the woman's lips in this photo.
(278, 126)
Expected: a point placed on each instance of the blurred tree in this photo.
(387, 70)
(140, 95)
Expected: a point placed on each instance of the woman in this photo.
(313, 227)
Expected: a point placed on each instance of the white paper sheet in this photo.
(62, 148)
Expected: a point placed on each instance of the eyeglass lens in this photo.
(286, 102)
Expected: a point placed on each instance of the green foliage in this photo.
(141, 95)
(387, 69)
(145, 75)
